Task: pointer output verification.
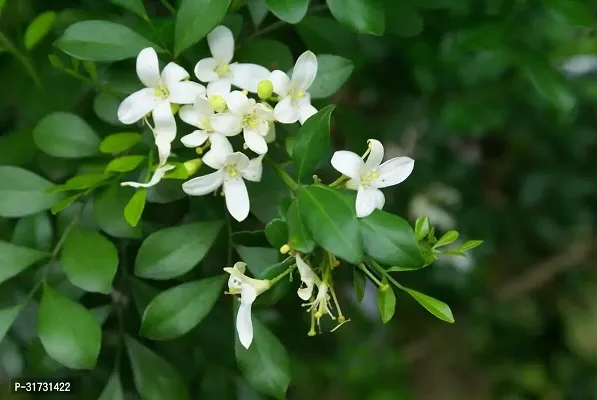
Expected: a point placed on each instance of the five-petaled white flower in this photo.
(295, 101)
(232, 168)
(200, 115)
(254, 119)
(249, 289)
(171, 87)
(369, 176)
(218, 68)
(307, 278)
(155, 178)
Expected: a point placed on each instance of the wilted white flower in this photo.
(155, 179)
(307, 278)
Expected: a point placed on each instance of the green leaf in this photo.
(265, 364)
(105, 106)
(299, 237)
(330, 217)
(176, 311)
(134, 208)
(402, 19)
(325, 35)
(449, 237)
(386, 302)
(56, 208)
(102, 41)
(359, 281)
(195, 19)
(258, 11)
(332, 74)
(7, 317)
(65, 135)
(258, 259)
(312, 142)
(113, 389)
(469, 245)
(108, 207)
(155, 378)
(119, 142)
(89, 260)
(440, 309)
(15, 259)
(39, 28)
(134, 6)
(35, 232)
(365, 16)
(172, 252)
(68, 331)
(277, 233)
(269, 53)
(390, 240)
(22, 193)
(291, 11)
(17, 148)
(549, 83)
(125, 163)
(422, 227)
(102, 313)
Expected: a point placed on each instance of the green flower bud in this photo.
(218, 103)
(174, 108)
(265, 89)
(193, 165)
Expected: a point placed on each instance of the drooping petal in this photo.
(185, 92)
(205, 70)
(136, 106)
(248, 76)
(254, 170)
(304, 71)
(238, 103)
(286, 111)
(307, 277)
(173, 73)
(306, 110)
(164, 145)
(239, 159)
(375, 155)
(155, 178)
(366, 202)
(244, 324)
(347, 163)
(190, 115)
(255, 141)
(227, 124)
(394, 171)
(220, 87)
(280, 82)
(194, 139)
(148, 68)
(204, 184)
(221, 44)
(237, 198)
(164, 121)
(380, 199)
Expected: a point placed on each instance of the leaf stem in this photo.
(383, 272)
(282, 275)
(338, 181)
(363, 268)
(22, 59)
(291, 183)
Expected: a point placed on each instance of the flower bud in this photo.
(341, 319)
(174, 108)
(265, 89)
(284, 249)
(218, 103)
(193, 165)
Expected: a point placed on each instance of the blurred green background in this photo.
(494, 99)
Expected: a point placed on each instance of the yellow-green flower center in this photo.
(297, 94)
(217, 103)
(206, 125)
(161, 92)
(222, 70)
(250, 120)
(231, 170)
(367, 179)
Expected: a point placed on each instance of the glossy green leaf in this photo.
(39, 28)
(390, 240)
(422, 227)
(89, 260)
(325, 35)
(15, 259)
(34, 231)
(446, 239)
(172, 252)
(154, 377)
(7, 317)
(23, 193)
(105, 106)
(134, 208)
(440, 309)
(63, 204)
(125, 163)
(257, 10)
(176, 311)
(66, 135)
(364, 16)
(109, 206)
(102, 41)
(102, 313)
(291, 11)
(113, 389)
(258, 259)
(68, 331)
(134, 6)
(80, 182)
(277, 233)
(312, 142)
(469, 245)
(330, 217)
(195, 19)
(332, 74)
(119, 142)
(299, 238)
(386, 302)
(359, 282)
(269, 53)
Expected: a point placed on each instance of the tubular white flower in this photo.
(369, 176)
(155, 178)
(249, 289)
(232, 170)
(295, 101)
(321, 305)
(219, 69)
(307, 278)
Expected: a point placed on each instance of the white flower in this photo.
(155, 179)
(295, 101)
(200, 115)
(369, 176)
(231, 169)
(321, 305)
(249, 289)
(245, 114)
(218, 68)
(307, 278)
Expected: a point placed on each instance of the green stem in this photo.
(168, 6)
(291, 183)
(363, 268)
(282, 275)
(383, 272)
(22, 59)
(338, 181)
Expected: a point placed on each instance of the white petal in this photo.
(203, 107)
(271, 133)
(238, 103)
(164, 145)
(239, 159)
(163, 120)
(281, 82)
(304, 71)
(185, 92)
(353, 184)
(306, 110)
(136, 106)
(380, 199)
(205, 70)
(394, 171)
(221, 44)
(173, 73)
(204, 184)
(237, 198)
(148, 68)
(194, 139)
(219, 152)
(375, 156)
(190, 115)
(347, 163)
(227, 124)
(220, 87)
(264, 112)
(155, 179)
(366, 201)
(254, 170)
(308, 278)
(244, 324)
(255, 141)
(248, 76)
(286, 111)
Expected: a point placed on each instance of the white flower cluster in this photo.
(218, 112)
